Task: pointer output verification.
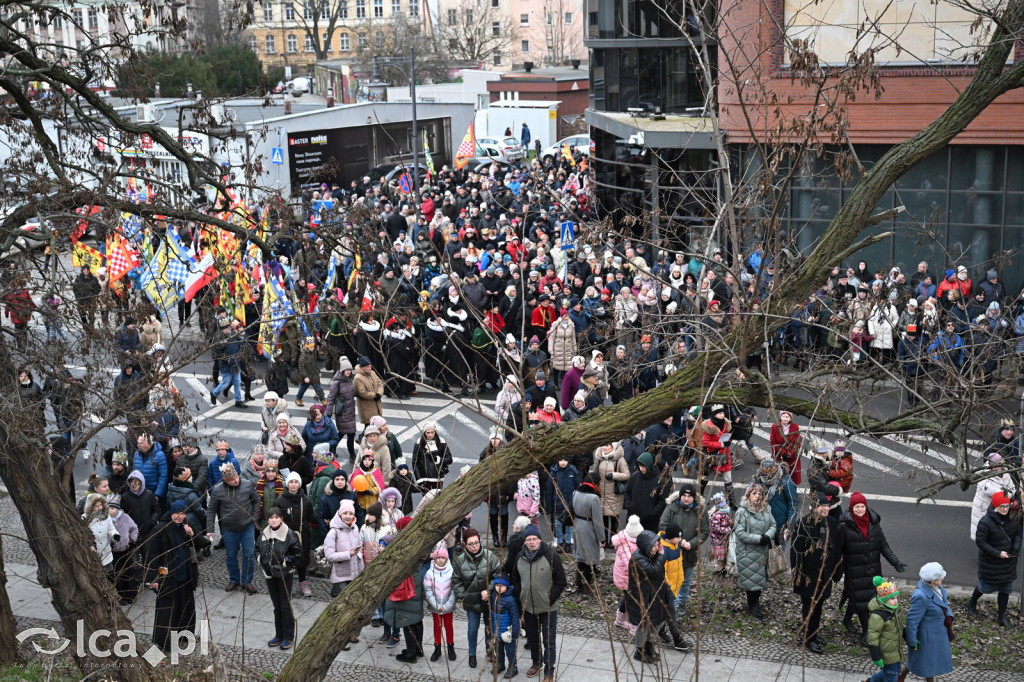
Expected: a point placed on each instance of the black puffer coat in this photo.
(648, 595)
(646, 493)
(814, 556)
(998, 533)
(862, 557)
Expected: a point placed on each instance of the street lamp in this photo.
(411, 75)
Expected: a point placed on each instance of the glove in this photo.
(900, 568)
(765, 540)
(916, 645)
(609, 476)
(880, 663)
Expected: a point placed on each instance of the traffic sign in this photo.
(277, 156)
(568, 235)
(405, 183)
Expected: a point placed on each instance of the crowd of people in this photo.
(471, 291)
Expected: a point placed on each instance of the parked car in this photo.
(508, 148)
(580, 142)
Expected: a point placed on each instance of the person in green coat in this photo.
(885, 632)
(754, 530)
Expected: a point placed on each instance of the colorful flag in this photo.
(154, 281)
(82, 255)
(276, 311)
(201, 274)
(567, 154)
(467, 150)
(426, 155)
(121, 259)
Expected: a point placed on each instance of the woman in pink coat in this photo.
(624, 543)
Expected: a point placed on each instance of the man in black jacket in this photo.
(539, 580)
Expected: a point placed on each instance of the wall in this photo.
(912, 95)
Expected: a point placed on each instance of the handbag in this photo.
(778, 564)
(620, 487)
(320, 561)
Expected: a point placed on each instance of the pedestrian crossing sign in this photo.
(277, 156)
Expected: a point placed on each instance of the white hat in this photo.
(578, 361)
(633, 527)
(293, 476)
(271, 395)
(932, 571)
(580, 395)
(550, 401)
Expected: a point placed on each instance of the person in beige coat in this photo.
(562, 347)
(369, 389)
(611, 466)
(152, 333)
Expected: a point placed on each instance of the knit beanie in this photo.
(531, 530)
(633, 527)
(346, 505)
(439, 553)
(886, 590)
(857, 497)
(403, 522)
(293, 476)
(375, 510)
(1000, 498)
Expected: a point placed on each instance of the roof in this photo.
(671, 131)
(550, 73)
(246, 109)
(526, 103)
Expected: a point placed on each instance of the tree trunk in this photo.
(8, 628)
(67, 564)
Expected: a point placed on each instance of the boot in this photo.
(436, 656)
(304, 588)
(848, 623)
(729, 498)
(213, 399)
(451, 652)
(495, 535)
(1001, 618)
(972, 604)
(621, 621)
(1003, 600)
(651, 653)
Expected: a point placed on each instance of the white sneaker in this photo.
(304, 588)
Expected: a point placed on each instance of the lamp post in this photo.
(411, 75)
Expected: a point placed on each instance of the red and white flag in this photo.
(121, 258)
(467, 150)
(200, 274)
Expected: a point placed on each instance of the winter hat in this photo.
(364, 361)
(932, 571)
(371, 430)
(718, 499)
(403, 522)
(550, 401)
(293, 476)
(992, 274)
(822, 498)
(886, 590)
(530, 531)
(227, 471)
(672, 531)
(378, 421)
(346, 505)
(271, 395)
(633, 527)
(580, 395)
(115, 501)
(1000, 498)
(376, 509)
(540, 375)
(647, 459)
(439, 553)
(500, 579)
(534, 340)
(344, 363)
(578, 361)
(994, 459)
(509, 338)
(857, 497)
(178, 507)
(284, 417)
(688, 487)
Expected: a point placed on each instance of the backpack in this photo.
(405, 591)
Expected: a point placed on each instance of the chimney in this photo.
(330, 97)
(287, 107)
(528, 66)
(575, 64)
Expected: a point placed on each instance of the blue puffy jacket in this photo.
(153, 465)
(561, 486)
(504, 611)
(213, 476)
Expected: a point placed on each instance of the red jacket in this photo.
(787, 449)
(711, 441)
(20, 306)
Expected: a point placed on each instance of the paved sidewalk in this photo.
(242, 624)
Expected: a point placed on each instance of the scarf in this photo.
(258, 468)
(281, 534)
(528, 555)
(863, 523)
(319, 426)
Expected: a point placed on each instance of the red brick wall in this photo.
(911, 97)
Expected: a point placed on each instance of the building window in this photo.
(453, 17)
(524, 19)
(307, 10)
(326, 42)
(268, 45)
(293, 44)
(525, 45)
(378, 8)
(289, 12)
(360, 9)
(396, 6)
(497, 59)
(343, 9)
(495, 3)
(362, 41)
(94, 19)
(414, 8)
(253, 43)
(309, 43)
(550, 19)
(496, 29)
(77, 14)
(453, 44)
(268, 12)
(58, 23)
(568, 18)
(344, 43)
(469, 17)
(325, 11)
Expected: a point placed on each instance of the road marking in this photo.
(463, 419)
(413, 432)
(860, 459)
(882, 450)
